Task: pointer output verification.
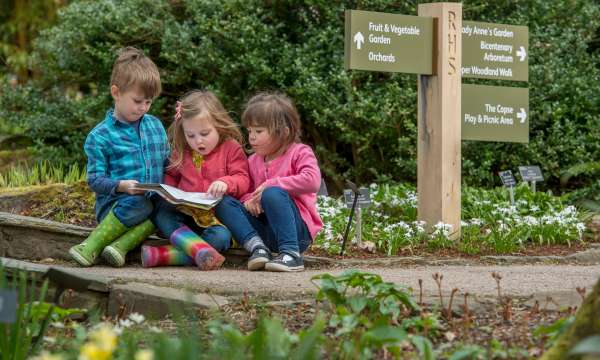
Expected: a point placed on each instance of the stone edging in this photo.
(113, 297)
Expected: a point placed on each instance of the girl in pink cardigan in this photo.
(279, 213)
(207, 157)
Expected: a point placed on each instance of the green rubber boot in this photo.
(109, 229)
(114, 254)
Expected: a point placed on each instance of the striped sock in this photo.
(204, 255)
(163, 256)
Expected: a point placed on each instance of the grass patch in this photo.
(41, 173)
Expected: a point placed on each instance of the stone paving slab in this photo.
(159, 288)
(520, 280)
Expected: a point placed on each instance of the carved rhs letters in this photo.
(452, 38)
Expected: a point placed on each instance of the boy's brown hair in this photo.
(206, 105)
(134, 69)
(276, 112)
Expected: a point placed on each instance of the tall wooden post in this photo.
(439, 110)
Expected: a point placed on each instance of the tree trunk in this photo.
(587, 323)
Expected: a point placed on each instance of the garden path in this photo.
(558, 281)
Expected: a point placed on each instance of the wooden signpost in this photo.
(441, 48)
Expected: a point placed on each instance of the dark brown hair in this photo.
(276, 112)
(132, 68)
(206, 105)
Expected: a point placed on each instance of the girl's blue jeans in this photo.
(280, 225)
(168, 219)
(134, 209)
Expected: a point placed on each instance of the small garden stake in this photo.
(355, 192)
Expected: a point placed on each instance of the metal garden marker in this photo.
(508, 180)
(531, 173)
(8, 306)
(356, 193)
(364, 200)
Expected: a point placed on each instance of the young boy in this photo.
(127, 147)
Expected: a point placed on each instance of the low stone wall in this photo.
(27, 238)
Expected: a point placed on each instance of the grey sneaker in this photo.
(260, 256)
(285, 263)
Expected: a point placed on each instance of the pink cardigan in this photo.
(295, 171)
(227, 162)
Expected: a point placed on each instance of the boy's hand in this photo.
(217, 189)
(127, 186)
(253, 207)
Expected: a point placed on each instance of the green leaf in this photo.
(587, 346)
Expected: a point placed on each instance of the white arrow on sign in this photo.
(521, 53)
(359, 39)
(522, 115)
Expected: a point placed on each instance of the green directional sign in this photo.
(495, 51)
(495, 113)
(388, 42)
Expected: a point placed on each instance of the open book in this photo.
(179, 197)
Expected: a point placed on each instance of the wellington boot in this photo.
(205, 256)
(109, 229)
(114, 254)
(166, 255)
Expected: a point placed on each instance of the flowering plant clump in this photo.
(490, 222)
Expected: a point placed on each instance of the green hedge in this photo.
(362, 124)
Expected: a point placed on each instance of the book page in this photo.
(195, 197)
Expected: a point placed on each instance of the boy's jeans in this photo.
(280, 225)
(168, 219)
(129, 209)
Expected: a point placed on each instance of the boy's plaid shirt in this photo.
(115, 151)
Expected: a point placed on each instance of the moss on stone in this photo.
(587, 322)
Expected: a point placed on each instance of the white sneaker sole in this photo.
(78, 258)
(257, 264)
(113, 257)
(282, 268)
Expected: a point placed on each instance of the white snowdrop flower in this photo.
(530, 220)
(464, 223)
(476, 222)
(58, 325)
(503, 227)
(373, 186)
(125, 323)
(546, 219)
(580, 228)
(118, 330)
(534, 208)
(419, 226)
(137, 318)
(521, 202)
(442, 229)
(486, 202)
(155, 329)
(404, 226)
(488, 231)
